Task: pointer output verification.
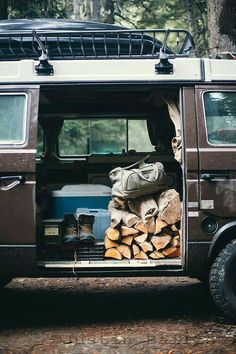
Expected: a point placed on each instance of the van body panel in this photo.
(217, 163)
(101, 70)
(17, 189)
(219, 70)
(191, 163)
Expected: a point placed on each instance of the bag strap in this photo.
(137, 163)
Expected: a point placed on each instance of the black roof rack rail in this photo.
(94, 44)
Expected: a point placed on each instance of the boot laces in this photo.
(86, 228)
(71, 230)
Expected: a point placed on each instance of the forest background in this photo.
(211, 22)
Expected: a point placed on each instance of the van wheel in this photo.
(222, 280)
(4, 280)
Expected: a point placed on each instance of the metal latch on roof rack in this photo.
(164, 66)
(44, 68)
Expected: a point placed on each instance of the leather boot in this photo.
(71, 230)
(86, 222)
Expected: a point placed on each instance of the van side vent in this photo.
(43, 68)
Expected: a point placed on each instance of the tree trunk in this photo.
(191, 16)
(83, 9)
(3, 9)
(75, 9)
(87, 10)
(227, 20)
(96, 11)
(221, 25)
(108, 11)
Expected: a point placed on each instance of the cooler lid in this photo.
(83, 190)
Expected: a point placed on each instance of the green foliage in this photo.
(39, 8)
(187, 14)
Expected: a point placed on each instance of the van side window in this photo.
(103, 136)
(12, 119)
(220, 113)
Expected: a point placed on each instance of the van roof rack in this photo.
(226, 55)
(82, 42)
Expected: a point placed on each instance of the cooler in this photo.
(71, 197)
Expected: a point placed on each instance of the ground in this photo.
(119, 315)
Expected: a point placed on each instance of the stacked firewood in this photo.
(144, 228)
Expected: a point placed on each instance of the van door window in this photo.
(220, 112)
(12, 119)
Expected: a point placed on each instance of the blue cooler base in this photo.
(101, 223)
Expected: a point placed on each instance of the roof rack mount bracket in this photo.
(43, 68)
(164, 67)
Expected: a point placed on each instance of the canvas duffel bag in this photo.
(131, 183)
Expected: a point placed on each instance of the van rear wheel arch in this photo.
(225, 235)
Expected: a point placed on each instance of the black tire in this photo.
(4, 280)
(222, 280)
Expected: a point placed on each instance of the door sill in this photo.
(109, 264)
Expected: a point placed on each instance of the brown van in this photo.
(80, 99)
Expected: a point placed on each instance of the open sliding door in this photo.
(18, 131)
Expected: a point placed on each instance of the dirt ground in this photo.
(125, 315)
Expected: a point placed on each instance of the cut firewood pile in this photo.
(147, 227)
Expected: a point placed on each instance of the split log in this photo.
(141, 238)
(171, 252)
(175, 241)
(169, 206)
(174, 228)
(141, 227)
(124, 250)
(160, 224)
(145, 207)
(127, 240)
(118, 216)
(130, 219)
(156, 255)
(113, 253)
(146, 246)
(109, 244)
(151, 225)
(135, 250)
(113, 234)
(128, 231)
(141, 255)
(160, 242)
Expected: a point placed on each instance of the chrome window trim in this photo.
(22, 143)
(204, 114)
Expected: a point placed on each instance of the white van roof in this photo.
(92, 52)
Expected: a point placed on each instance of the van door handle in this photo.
(210, 177)
(16, 181)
